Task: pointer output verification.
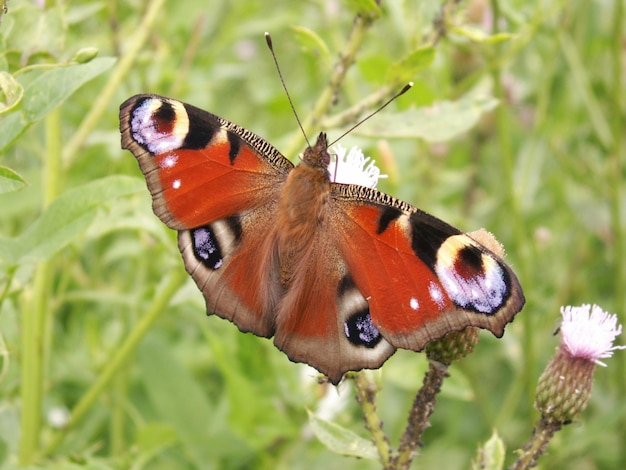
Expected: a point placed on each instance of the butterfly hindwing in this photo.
(231, 269)
(323, 319)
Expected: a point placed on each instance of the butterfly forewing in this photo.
(198, 166)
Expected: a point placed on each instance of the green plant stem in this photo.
(120, 357)
(346, 58)
(423, 407)
(522, 247)
(5, 358)
(35, 311)
(31, 368)
(31, 389)
(104, 98)
(11, 270)
(349, 115)
(542, 433)
(615, 178)
(617, 164)
(118, 412)
(580, 77)
(366, 390)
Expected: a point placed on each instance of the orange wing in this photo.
(198, 166)
(422, 278)
(217, 184)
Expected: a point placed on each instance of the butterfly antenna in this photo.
(406, 88)
(268, 39)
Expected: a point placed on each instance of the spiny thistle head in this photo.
(453, 346)
(564, 387)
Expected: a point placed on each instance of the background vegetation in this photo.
(515, 123)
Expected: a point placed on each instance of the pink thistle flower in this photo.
(564, 388)
(589, 336)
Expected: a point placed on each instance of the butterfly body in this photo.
(341, 275)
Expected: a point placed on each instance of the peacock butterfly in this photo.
(339, 274)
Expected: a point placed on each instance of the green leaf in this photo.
(10, 180)
(439, 122)
(341, 440)
(152, 437)
(480, 36)
(417, 60)
(245, 370)
(371, 67)
(12, 127)
(52, 87)
(365, 8)
(181, 402)
(11, 92)
(313, 43)
(37, 30)
(4, 451)
(44, 89)
(491, 455)
(178, 399)
(66, 218)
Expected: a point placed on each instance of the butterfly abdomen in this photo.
(301, 213)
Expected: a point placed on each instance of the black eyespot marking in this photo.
(471, 257)
(387, 215)
(165, 113)
(428, 234)
(202, 127)
(206, 248)
(360, 330)
(235, 144)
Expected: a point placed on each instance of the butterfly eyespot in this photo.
(206, 248)
(160, 126)
(360, 330)
(473, 279)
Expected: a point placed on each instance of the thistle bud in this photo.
(453, 346)
(564, 387)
